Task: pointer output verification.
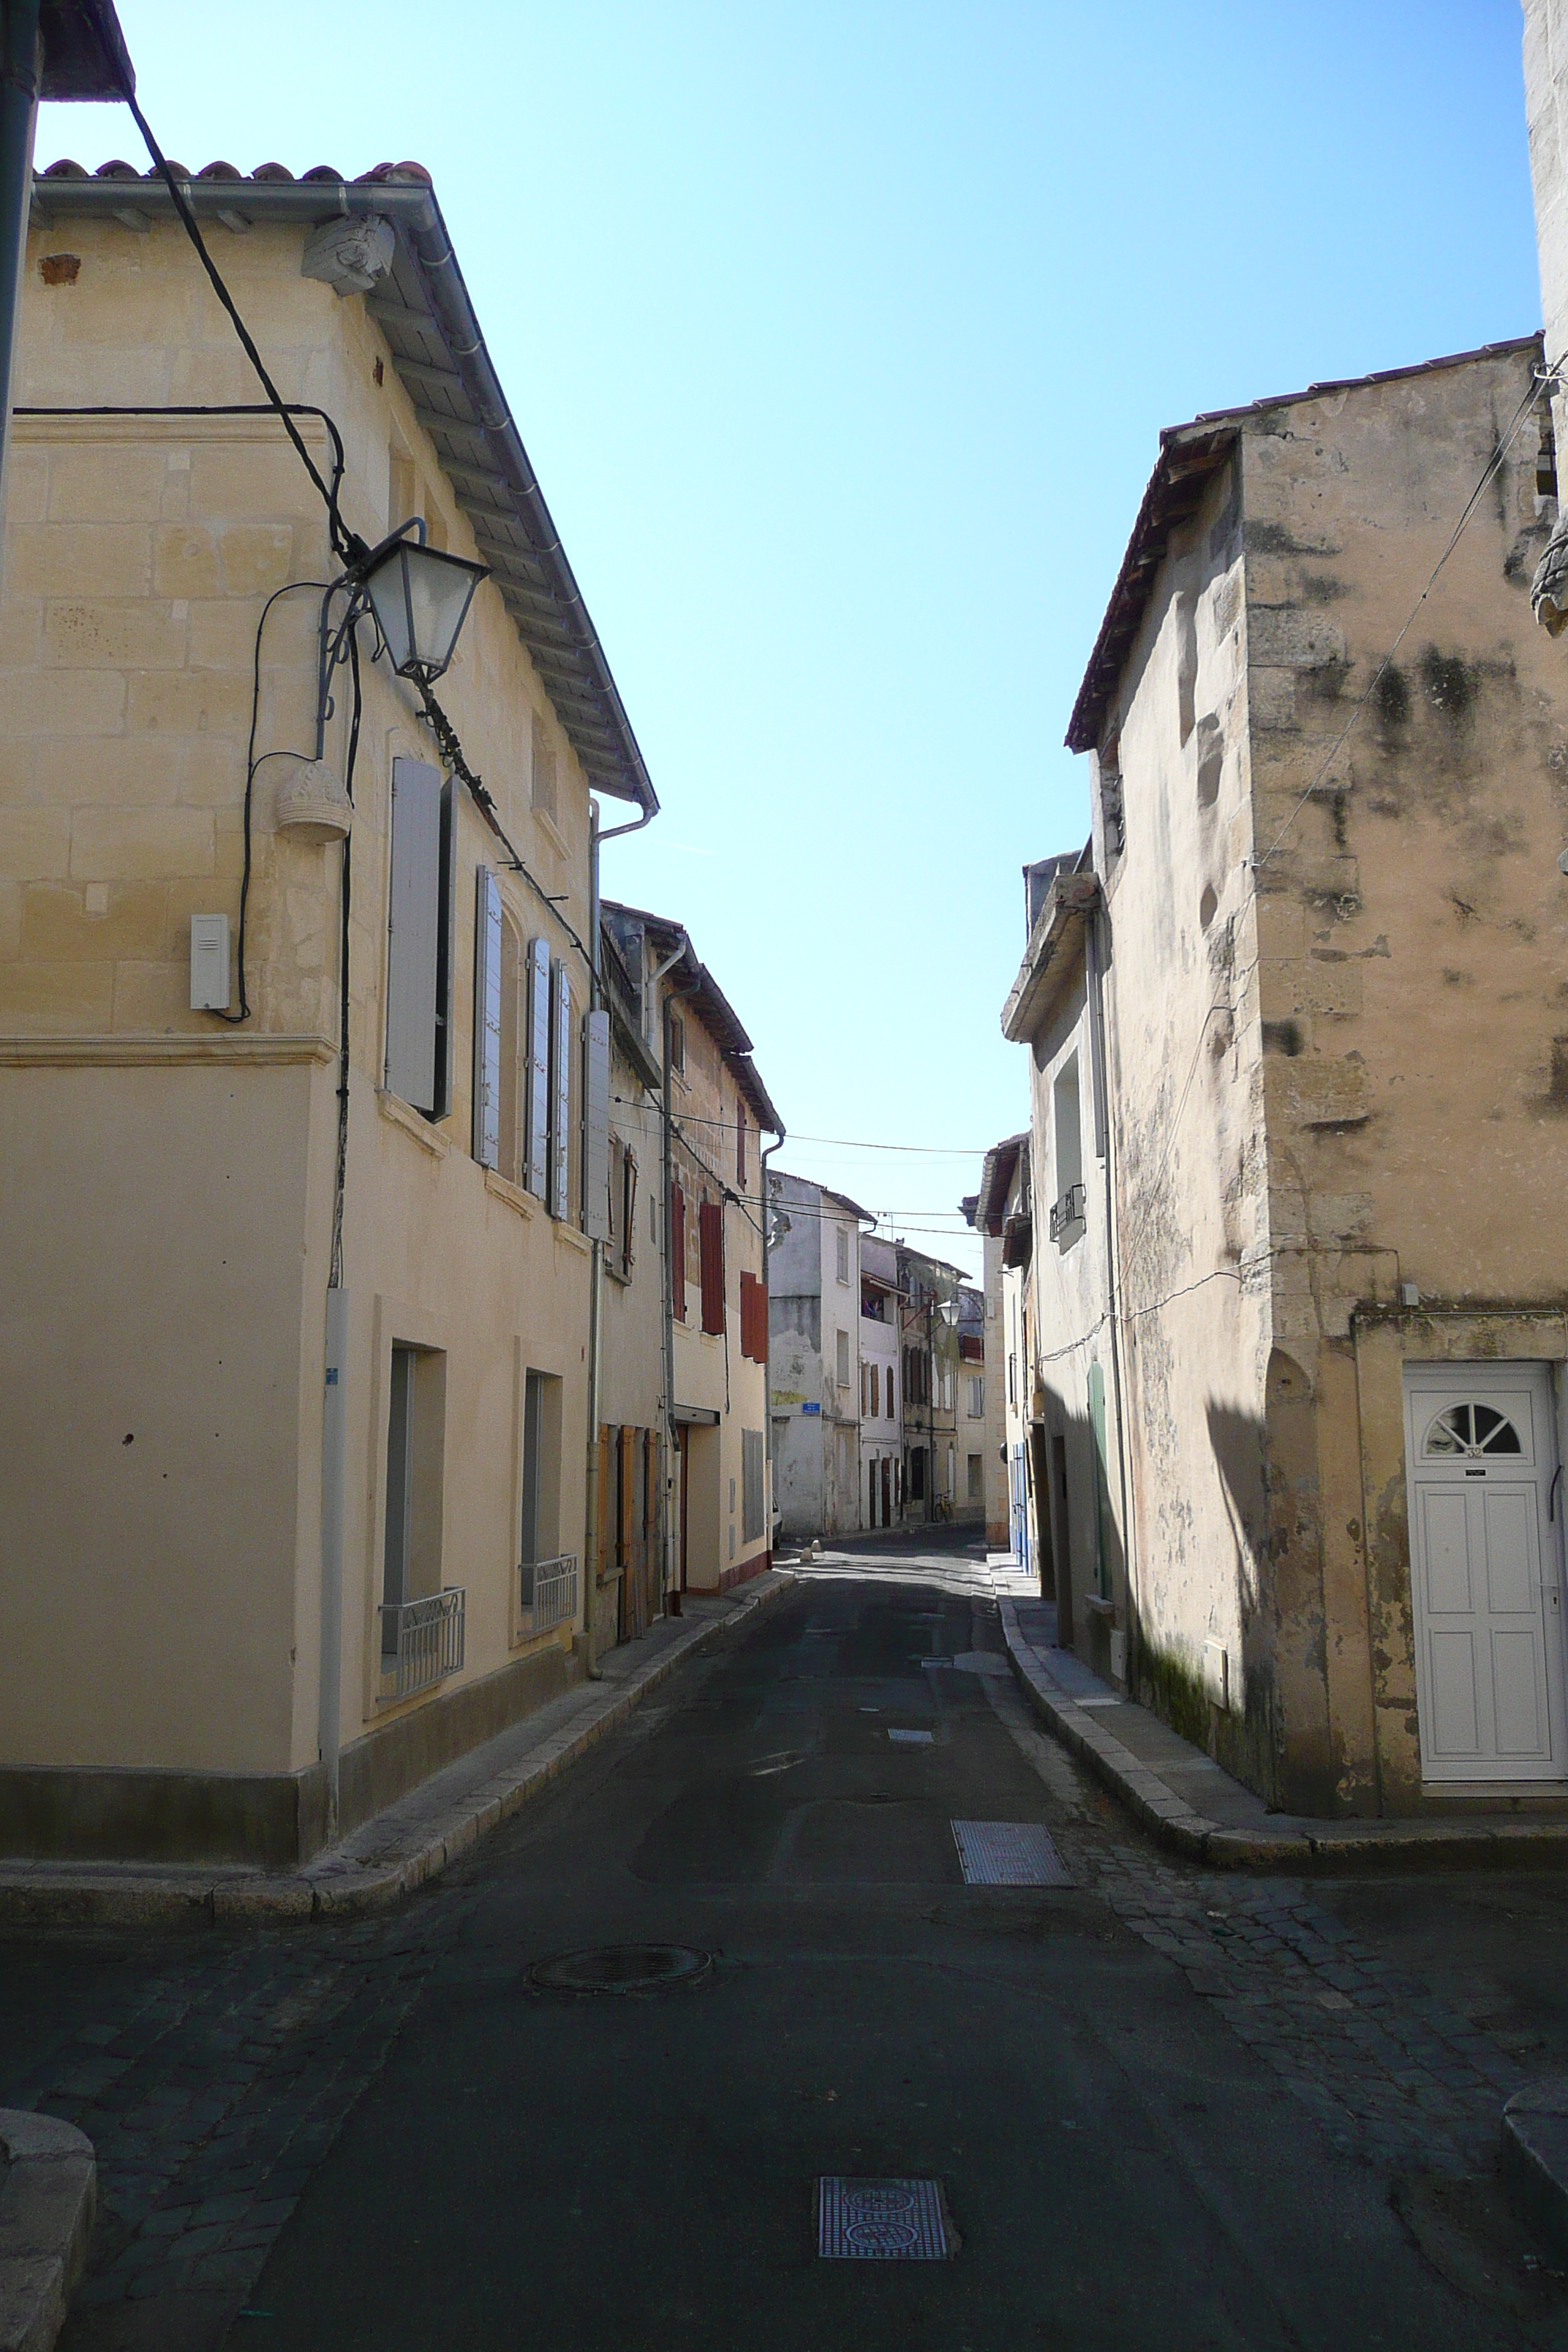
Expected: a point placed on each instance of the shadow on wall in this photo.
(1273, 1731)
(1079, 1547)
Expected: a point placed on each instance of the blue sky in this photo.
(840, 337)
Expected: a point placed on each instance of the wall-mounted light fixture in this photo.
(420, 595)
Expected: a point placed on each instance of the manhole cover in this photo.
(902, 1738)
(880, 2220)
(621, 1968)
(1008, 1853)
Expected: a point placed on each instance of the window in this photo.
(543, 770)
(1067, 1138)
(843, 1241)
(604, 1191)
(976, 1478)
(865, 1390)
(876, 1391)
(753, 1319)
(754, 1479)
(890, 1404)
(415, 1449)
(677, 1250)
(677, 1041)
(1013, 1379)
(976, 1398)
(918, 1473)
(536, 1117)
(487, 936)
(561, 1033)
(419, 1066)
(711, 1230)
(843, 1344)
(622, 1204)
(740, 1143)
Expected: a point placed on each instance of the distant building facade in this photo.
(815, 1313)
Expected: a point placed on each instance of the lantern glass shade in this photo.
(421, 597)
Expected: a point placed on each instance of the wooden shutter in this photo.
(740, 1143)
(487, 1019)
(538, 1114)
(676, 1239)
(414, 923)
(710, 1243)
(446, 953)
(559, 1091)
(606, 1539)
(597, 1128)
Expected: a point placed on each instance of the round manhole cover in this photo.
(621, 1968)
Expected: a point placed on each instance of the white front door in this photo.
(1485, 1566)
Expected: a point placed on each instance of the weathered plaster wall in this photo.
(1412, 926)
(1185, 1057)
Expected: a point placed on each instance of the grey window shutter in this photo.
(560, 1094)
(538, 1064)
(414, 933)
(445, 953)
(487, 1020)
(596, 1127)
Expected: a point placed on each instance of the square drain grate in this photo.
(1008, 1853)
(880, 2220)
(902, 1738)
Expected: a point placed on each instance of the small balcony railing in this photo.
(423, 1640)
(1067, 1212)
(548, 1592)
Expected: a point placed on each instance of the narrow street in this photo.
(1165, 2108)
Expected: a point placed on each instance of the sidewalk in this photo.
(1196, 1808)
(414, 1839)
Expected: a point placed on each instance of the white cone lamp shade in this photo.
(421, 597)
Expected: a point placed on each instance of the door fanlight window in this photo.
(1469, 1429)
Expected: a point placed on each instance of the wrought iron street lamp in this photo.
(420, 597)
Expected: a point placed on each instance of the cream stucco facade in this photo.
(168, 1182)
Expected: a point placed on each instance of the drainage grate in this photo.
(880, 2220)
(910, 1738)
(620, 1969)
(1008, 1853)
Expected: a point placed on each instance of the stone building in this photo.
(1325, 911)
(297, 1426)
(1000, 1214)
(816, 1303)
(708, 1185)
(930, 1292)
(882, 1443)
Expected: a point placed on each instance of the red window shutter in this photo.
(711, 1242)
(753, 1319)
(677, 1240)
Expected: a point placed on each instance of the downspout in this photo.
(671, 1591)
(763, 1159)
(1094, 992)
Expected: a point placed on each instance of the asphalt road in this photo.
(1120, 2167)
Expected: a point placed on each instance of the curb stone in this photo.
(334, 1884)
(1336, 1846)
(1535, 2158)
(48, 2199)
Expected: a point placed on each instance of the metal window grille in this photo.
(549, 1591)
(423, 1640)
(1068, 1210)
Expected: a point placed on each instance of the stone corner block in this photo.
(49, 2202)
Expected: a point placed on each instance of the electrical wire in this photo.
(346, 544)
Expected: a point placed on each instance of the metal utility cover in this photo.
(1008, 1853)
(880, 2220)
(910, 1738)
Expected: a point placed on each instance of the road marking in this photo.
(912, 1739)
(880, 2220)
(1008, 1853)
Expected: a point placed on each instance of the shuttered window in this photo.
(842, 1367)
(754, 1479)
(753, 1318)
(419, 942)
(487, 1020)
(536, 1176)
(740, 1143)
(677, 1250)
(597, 1128)
(711, 1238)
(559, 1091)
